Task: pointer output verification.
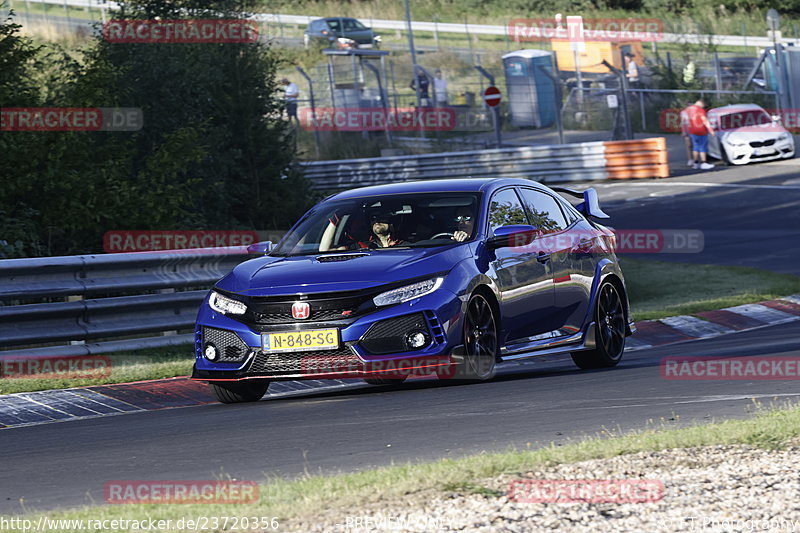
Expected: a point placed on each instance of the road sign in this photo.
(575, 32)
(773, 20)
(492, 96)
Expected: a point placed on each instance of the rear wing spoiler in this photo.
(590, 206)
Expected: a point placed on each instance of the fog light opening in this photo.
(417, 339)
(210, 352)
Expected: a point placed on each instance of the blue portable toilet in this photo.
(531, 93)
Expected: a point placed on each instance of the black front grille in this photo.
(312, 362)
(317, 315)
(759, 144)
(230, 347)
(388, 336)
(323, 307)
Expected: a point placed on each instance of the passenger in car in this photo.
(383, 230)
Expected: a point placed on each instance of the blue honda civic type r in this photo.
(450, 277)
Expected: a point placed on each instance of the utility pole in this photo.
(410, 36)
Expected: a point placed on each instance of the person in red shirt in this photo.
(699, 130)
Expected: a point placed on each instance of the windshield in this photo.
(741, 119)
(380, 222)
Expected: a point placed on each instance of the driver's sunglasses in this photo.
(463, 218)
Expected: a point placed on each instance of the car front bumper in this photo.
(438, 313)
(743, 154)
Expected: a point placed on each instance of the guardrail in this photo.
(103, 297)
(645, 158)
(447, 27)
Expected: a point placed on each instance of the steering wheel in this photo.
(443, 234)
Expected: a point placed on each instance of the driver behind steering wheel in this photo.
(465, 222)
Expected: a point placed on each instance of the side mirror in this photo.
(776, 118)
(514, 236)
(260, 248)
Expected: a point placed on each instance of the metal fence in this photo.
(76, 305)
(649, 110)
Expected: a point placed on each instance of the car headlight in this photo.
(377, 38)
(735, 140)
(344, 40)
(226, 306)
(409, 292)
(783, 137)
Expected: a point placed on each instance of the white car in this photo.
(746, 133)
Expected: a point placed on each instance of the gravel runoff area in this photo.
(716, 488)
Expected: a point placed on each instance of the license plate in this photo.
(300, 341)
(758, 151)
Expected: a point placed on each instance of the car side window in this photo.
(505, 209)
(544, 211)
(568, 210)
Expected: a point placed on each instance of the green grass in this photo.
(125, 367)
(311, 495)
(659, 289)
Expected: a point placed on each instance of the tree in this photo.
(214, 152)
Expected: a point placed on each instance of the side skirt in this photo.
(572, 343)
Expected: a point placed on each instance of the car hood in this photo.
(751, 133)
(274, 276)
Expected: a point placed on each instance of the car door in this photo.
(353, 29)
(523, 278)
(567, 244)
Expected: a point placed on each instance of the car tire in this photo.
(239, 391)
(385, 381)
(724, 155)
(610, 319)
(480, 343)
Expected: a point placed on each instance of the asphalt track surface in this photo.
(751, 217)
(538, 403)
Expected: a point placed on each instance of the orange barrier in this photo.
(640, 158)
